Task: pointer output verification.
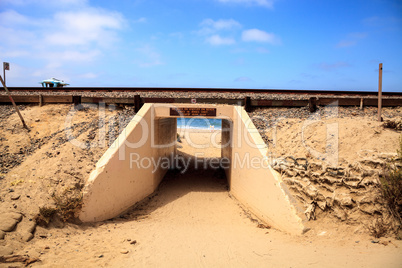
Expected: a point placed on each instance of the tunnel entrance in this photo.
(199, 142)
(135, 164)
(200, 167)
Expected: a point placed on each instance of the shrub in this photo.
(65, 208)
(391, 186)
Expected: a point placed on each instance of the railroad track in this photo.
(249, 98)
(204, 90)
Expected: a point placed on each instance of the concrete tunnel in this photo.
(116, 184)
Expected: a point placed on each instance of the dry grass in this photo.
(66, 206)
(378, 228)
(391, 187)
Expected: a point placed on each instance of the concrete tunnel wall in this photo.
(113, 186)
(254, 183)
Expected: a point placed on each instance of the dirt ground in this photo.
(191, 220)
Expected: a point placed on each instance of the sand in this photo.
(190, 221)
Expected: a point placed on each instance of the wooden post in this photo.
(361, 104)
(40, 100)
(379, 92)
(247, 104)
(137, 103)
(12, 101)
(76, 101)
(312, 104)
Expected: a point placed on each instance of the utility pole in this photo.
(379, 92)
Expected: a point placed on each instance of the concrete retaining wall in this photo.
(254, 183)
(120, 179)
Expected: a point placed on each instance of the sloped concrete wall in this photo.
(127, 173)
(254, 183)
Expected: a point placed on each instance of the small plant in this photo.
(67, 205)
(393, 124)
(391, 186)
(45, 215)
(378, 228)
(65, 208)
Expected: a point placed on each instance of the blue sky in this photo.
(284, 44)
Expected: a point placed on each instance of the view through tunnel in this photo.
(199, 172)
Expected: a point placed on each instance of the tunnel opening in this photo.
(199, 165)
(133, 167)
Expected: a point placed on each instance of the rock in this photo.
(329, 180)
(351, 183)
(310, 212)
(133, 242)
(290, 173)
(13, 215)
(15, 197)
(26, 237)
(340, 214)
(31, 226)
(370, 181)
(7, 224)
(124, 251)
(368, 208)
(344, 200)
(311, 191)
(322, 204)
(2, 234)
(27, 227)
(4, 251)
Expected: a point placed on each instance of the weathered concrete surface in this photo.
(120, 179)
(254, 183)
(126, 174)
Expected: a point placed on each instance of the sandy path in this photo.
(193, 222)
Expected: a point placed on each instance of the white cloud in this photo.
(220, 24)
(149, 56)
(264, 3)
(210, 26)
(84, 27)
(69, 35)
(217, 40)
(60, 40)
(255, 35)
